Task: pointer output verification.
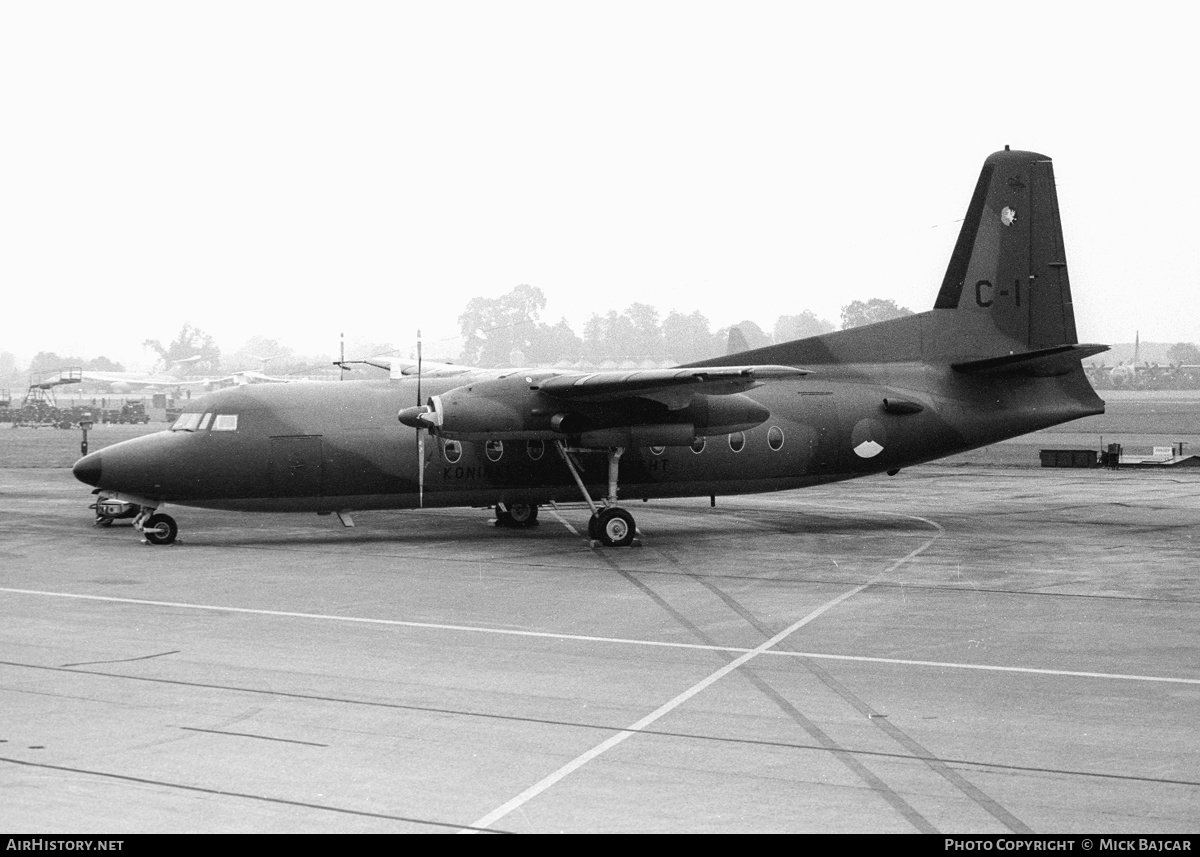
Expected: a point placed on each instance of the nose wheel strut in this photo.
(610, 524)
(158, 529)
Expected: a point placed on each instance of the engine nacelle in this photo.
(714, 415)
(512, 408)
(499, 407)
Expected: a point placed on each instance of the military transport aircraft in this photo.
(125, 382)
(996, 357)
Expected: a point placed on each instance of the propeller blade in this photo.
(420, 434)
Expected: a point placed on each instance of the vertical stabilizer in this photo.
(1009, 269)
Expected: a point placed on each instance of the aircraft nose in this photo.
(87, 469)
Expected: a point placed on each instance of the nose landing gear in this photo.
(158, 529)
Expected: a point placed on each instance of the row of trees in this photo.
(508, 329)
(495, 332)
(501, 331)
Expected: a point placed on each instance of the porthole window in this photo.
(737, 441)
(535, 448)
(452, 451)
(494, 449)
(775, 438)
(658, 450)
(698, 445)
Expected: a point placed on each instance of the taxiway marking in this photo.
(620, 641)
(628, 732)
(667, 707)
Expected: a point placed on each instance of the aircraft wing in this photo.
(531, 402)
(129, 379)
(251, 376)
(138, 380)
(673, 387)
(396, 367)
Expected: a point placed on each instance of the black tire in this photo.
(160, 529)
(522, 515)
(103, 521)
(615, 528)
(503, 518)
(594, 527)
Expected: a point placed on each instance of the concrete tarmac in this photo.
(955, 649)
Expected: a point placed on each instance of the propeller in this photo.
(423, 418)
(420, 436)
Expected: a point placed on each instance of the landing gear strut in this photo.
(610, 525)
(157, 528)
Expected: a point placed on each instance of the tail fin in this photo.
(1005, 303)
(1009, 265)
(737, 341)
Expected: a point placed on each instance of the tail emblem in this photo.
(1008, 216)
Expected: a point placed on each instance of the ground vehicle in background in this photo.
(132, 412)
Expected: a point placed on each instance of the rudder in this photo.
(1009, 264)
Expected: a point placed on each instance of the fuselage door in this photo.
(296, 466)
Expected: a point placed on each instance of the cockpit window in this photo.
(186, 422)
(204, 422)
(225, 422)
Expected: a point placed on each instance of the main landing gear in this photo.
(517, 516)
(610, 525)
(158, 529)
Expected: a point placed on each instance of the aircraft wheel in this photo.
(504, 518)
(615, 528)
(594, 527)
(103, 521)
(160, 529)
(522, 514)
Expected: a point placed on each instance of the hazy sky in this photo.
(296, 170)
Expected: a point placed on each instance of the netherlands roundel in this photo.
(1007, 216)
(868, 438)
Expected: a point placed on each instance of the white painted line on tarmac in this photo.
(618, 641)
(565, 523)
(606, 745)
(578, 762)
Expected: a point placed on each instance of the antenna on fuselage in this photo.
(342, 362)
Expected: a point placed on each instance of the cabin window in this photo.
(452, 451)
(698, 445)
(225, 422)
(658, 450)
(204, 422)
(535, 448)
(494, 449)
(186, 422)
(737, 441)
(775, 438)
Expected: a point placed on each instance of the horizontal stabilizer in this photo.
(1040, 363)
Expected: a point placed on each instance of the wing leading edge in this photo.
(675, 405)
(674, 388)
